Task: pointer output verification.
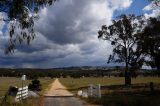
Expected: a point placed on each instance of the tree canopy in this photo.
(21, 15)
(155, 2)
(150, 40)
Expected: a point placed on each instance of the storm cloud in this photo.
(66, 35)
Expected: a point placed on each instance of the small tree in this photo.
(124, 36)
(35, 85)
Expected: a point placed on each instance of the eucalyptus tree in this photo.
(20, 16)
(155, 2)
(150, 41)
(123, 34)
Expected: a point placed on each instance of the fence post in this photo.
(90, 90)
(23, 79)
(99, 91)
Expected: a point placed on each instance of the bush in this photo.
(35, 85)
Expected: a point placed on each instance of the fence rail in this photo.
(22, 93)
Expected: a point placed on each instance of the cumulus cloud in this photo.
(154, 13)
(67, 35)
(120, 4)
(148, 7)
(155, 10)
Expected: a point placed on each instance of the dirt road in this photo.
(57, 89)
(58, 95)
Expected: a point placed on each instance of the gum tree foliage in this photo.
(155, 2)
(20, 15)
(123, 35)
(150, 40)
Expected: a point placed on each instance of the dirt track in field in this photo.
(57, 89)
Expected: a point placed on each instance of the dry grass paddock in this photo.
(114, 93)
(6, 82)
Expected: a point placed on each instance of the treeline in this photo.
(53, 73)
(35, 73)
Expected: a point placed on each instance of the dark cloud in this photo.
(66, 36)
(68, 22)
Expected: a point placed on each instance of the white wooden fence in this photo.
(22, 93)
(94, 91)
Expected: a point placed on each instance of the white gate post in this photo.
(90, 90)
(99, 91)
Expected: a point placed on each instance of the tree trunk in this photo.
(127, 71)
(127, 76)
(127, 80)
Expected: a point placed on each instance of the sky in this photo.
(66, 34)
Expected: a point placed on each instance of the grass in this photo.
(27, 102)
(128, 99)
(6, 82)
(78, 83)
(115, 94)
(115, 98)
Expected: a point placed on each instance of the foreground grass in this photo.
(27, 102)
(144, 98)
(6, 82)
(114, 93)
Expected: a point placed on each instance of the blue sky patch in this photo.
(135, 8)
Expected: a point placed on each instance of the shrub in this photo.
(35, 85)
